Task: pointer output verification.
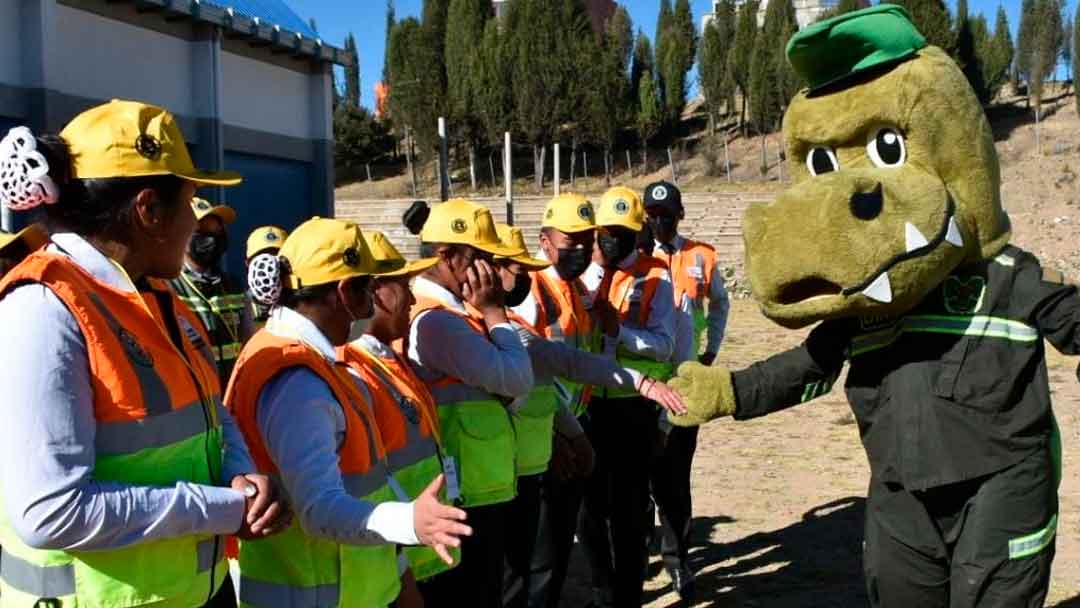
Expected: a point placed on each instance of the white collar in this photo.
(92, 260)
(424, 286)
(373, 346)
(287, 323)
(550, 270)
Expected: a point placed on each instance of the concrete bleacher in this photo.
(715, 218)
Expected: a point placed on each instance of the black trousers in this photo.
(613, 526)
(522, 540)
(987, 542)
(226, 595)
(671, 491)
(478, 580)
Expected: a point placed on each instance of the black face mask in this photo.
(663, 227)
(572, 263)
(208, 249)
(616, 247)
(517, 295)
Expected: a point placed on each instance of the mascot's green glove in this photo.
(707, 391)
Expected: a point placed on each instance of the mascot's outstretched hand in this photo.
(707, 392)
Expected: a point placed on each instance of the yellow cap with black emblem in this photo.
(204, 208)
(324, 251)
(133, 139)
(265, 238)
(389, 262)
(621, 206)
(569, 213)
(514, 238)
(462, 222)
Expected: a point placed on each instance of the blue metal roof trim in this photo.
(271, 12)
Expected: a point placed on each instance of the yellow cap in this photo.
(621, 206)
(569, 213)
(325, 251)
(389, 262)
(33, 237)
(513, 237)
(203, 208)
(265, 238)
(462, 222)
(132, 139)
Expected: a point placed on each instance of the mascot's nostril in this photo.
(867, 205)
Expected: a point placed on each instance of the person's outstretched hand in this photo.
(437, 525)
(265, 510)
(707, 391)
(664, 395)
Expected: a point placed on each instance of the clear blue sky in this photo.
(366, 19)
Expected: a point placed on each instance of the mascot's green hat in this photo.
(836, 49)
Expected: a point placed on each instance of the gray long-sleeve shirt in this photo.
(656, 340)
(719, 304)
(303, 427)
(47, 439)
(442, 344)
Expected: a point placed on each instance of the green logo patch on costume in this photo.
(964, 296)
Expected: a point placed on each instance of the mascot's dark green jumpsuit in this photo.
(893, 236)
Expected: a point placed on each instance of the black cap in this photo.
(415, 216)
(663, 194)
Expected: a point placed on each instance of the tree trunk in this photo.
(491, 166)
(742, 116)
(472, 166)
(585, 162)
(764, 159)
(574, 160)
(712, 123)
(644, 159)
(607, 167)
(727, 158)
(539, 154)
(1038, 133)
(629, 165)
(409, 160)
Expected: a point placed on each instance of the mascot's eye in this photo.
(886, 148)
(822, 160)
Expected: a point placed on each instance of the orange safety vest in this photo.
(475, 426)
(293, 568)
(631, 292)
(691, 270)
(157, 408)
(561, 316)
(409, 425)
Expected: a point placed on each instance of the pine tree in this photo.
(1024, 40)
(715, 81)
(352, 73)
(676, 58)
(494, 102)
(844, 6)
(931, 17)
(662, 41)
(464, 27)
(390, 21)
(967, 54)
(742, 51)
(433, 20)
(607, 62)
(650, 115)
(641, 62)
(1076, 51)
(998, 57)
(1045, 47)
(408, 98)
(1066, 42)
(785, 25)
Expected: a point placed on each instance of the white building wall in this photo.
(103, 58)
(264, 97)
(10, 50)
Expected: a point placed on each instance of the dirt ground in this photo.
(778, 501)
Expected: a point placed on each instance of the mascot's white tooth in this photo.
(914, 238)
(880, 289)
(953, 236)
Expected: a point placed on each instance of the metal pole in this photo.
(444, 161)
(727, 158)
(671, 162)
(508, 176)
(557, 169)
(629, 165)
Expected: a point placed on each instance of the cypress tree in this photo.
(784, 26)
(408, 98)
(742, 51)
(931, 17)
(464, 29)
(662, 41)
(716, 83)
(433, 20)
(676, 57)
(1076, 51)
(352, 73)
(390, 21)
(604, 107)
(967, 54)
(641, 62)
(650, 115)
(494, 100)
(1045, 46)
(1024, 39)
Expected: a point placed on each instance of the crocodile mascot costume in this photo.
(893, 239)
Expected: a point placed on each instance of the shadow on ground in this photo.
(815, 563)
